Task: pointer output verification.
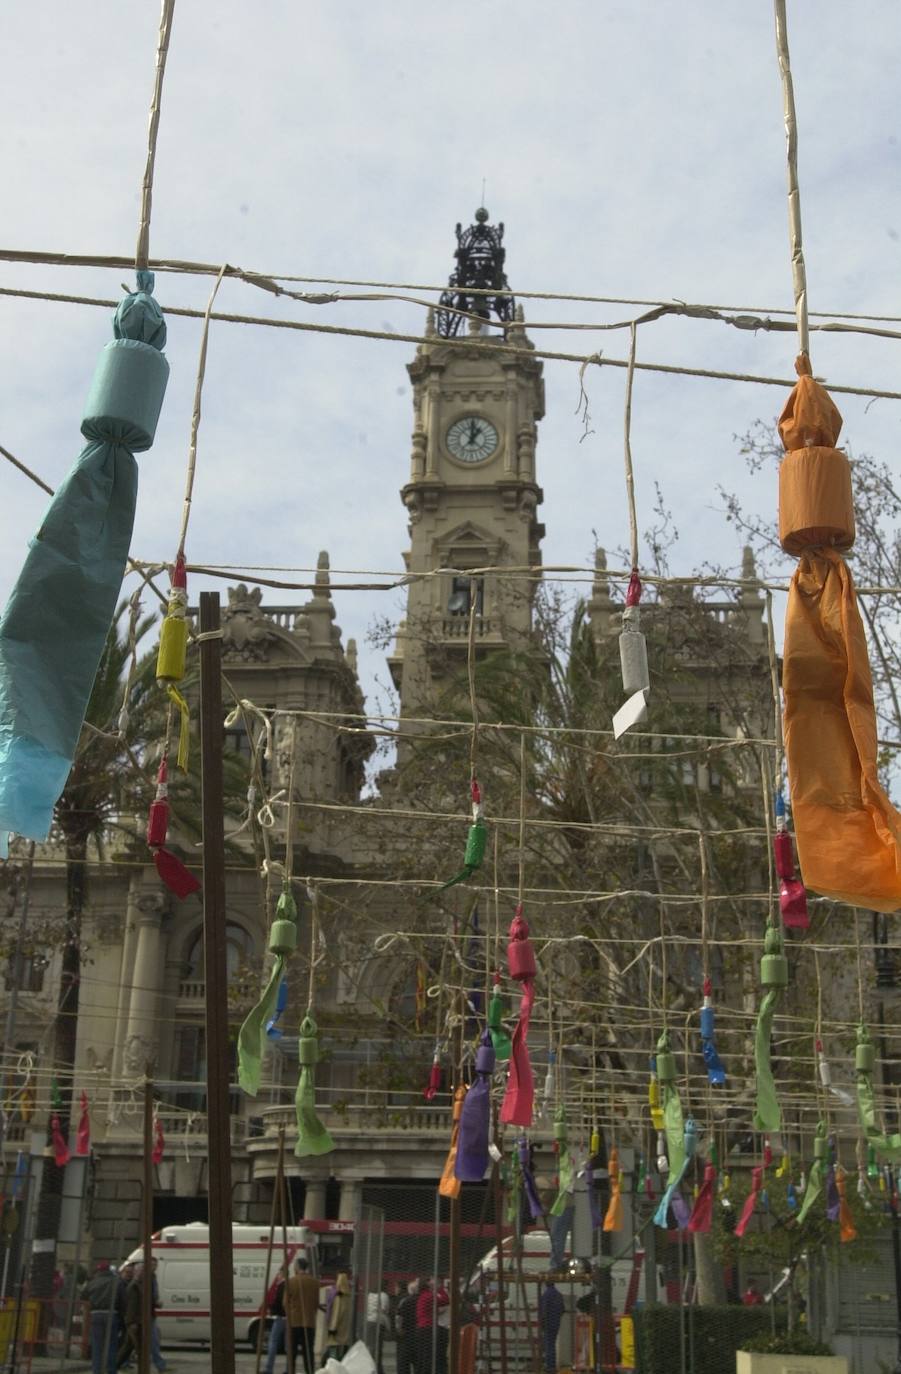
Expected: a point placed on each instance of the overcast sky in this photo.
(632, 150)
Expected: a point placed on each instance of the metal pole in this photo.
(222, 1305)
(9, 1034)
(147, 1228)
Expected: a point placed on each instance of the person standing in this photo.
(550, 1315)
(276, 1310)
(156, 1353)
(102, 1293)
(405, 1325)
(301, 1306)
(133, 1318)
(428, 1309)
(339, 1318)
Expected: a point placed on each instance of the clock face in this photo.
(472, 439)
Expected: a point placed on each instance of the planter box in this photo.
(748, 1363)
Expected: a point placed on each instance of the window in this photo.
(238, 951)
(31, 969)
(461, 595)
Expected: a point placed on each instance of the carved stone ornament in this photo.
(247, 633)
(137, 1053)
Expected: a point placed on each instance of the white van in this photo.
(183, 1276)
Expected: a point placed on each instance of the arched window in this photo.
(238, 952)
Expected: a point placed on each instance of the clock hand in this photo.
(473, 434)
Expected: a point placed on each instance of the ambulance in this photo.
(183, 1276)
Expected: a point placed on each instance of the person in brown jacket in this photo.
(301, 1306)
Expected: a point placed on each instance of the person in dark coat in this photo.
(133, 1318)
(405, 1326)
(550, 1315)
(102, 1293)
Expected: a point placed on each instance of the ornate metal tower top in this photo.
(480, 266)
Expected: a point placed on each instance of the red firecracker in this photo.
(172, 871)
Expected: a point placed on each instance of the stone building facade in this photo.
(471, 498)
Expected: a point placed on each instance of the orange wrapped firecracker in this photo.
(847, 831)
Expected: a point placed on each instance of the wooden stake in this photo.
(222, 1307)
(280, 1185)
(261, 1329)
(147, 1228)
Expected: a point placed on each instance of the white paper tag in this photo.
(495, 1153)
(632, 712)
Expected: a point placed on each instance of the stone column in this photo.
(141, 1035)
(511, 439)
(434, 407)
(349, 1205)
(314, 1201)
(126, 969)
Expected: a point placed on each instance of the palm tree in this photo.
(112, 779)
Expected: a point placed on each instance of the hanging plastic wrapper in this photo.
(716, 1074)
(774, 977)
(633, 656)
(59, 613)
(497, 1007)
(178, 879)
(472, 1156)
(565, 1170)
(171, 659)
(751, 1200)
(527, 1173)
(550, 1083)
(159, 1141)
(83, 1133)
(792, 897)
(888, 1146)
(613, 1219)
(433, 1086)
(847, 830)
(673, 1198)
(519, 1098)
(824, 1069)
(672, 1107)
(282, 944)
(476, 842)
(449, 1185)
(847, 1229)
(816, 1177)
(702, 1212)
(312, 1136)
(61, 1154)
(654, 1097)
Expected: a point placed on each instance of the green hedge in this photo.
(711, 1336)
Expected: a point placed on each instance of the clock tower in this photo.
(472, 497)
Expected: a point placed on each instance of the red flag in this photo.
(159, 1141)
(173, 873)
(83, 1135)
(60, 1148)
